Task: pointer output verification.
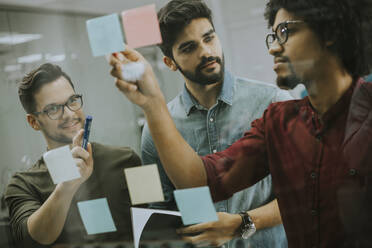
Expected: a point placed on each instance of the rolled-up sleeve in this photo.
(240, 166)
(22, 204)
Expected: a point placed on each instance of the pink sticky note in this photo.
(141, 26)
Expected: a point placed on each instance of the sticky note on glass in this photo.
(144, 184)
(105, 35)
(141, 26)
(96, 216)
(195, 205)
(61, 165)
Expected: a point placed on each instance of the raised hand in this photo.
(144, 92)
(213, 233)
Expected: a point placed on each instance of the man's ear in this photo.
(170, 63)
(33, 122)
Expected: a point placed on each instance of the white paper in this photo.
(133, 71)
(140, 216)
(61, 165)
(144, 184)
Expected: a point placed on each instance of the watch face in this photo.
(249, 232)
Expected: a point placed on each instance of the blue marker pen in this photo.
(88, 123)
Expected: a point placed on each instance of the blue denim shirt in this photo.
(207, 131)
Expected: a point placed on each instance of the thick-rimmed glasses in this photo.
(56, 111)
(280, 34)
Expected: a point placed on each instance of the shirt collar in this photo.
(226, 95)
(331, 115)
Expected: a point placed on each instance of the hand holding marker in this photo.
(88, 123)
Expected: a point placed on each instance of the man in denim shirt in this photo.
(213, 110)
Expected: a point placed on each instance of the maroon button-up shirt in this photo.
(315, 177)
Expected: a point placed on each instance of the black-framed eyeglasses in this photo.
(56, 111)
(280, 34)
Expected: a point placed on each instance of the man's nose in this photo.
(205, 50)
(275, 48)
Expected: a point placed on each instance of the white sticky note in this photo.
(61, 165)
(144, 184)
(96, 216)
(133, 71)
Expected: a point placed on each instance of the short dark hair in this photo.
(175, 16)
(345, 22)
(34, 80)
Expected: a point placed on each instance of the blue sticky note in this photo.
(195, 205)
(105, 35)
(96, 216)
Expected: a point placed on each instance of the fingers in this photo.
(78, 138)
(195, 228)
(198, 239)
(113, 60)
(90, 152)
(116, 71)
(129, 55)
(202, 240)
(80, 153)
(132, 54)
(125, 87)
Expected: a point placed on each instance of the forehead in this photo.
(57, 91)
(282, 16)
(194, 30)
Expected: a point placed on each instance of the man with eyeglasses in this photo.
(317, 149)
(42, 213)
(207, 111)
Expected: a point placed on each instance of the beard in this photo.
(59, 137)
(289, 82)
(199, 77)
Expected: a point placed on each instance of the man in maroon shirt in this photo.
(316, 149)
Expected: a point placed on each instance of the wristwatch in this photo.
(247, 228)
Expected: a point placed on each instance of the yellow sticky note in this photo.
(144, 184)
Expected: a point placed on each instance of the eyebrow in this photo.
(53, 103)
(208, 33)
(187, 43)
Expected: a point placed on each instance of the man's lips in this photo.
(70, 124)
(210, 64)
(278, 62)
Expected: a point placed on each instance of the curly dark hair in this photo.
(34, 80)
(345, 22)
(175, 16)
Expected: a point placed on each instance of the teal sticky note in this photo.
(105, 35)
(195, 205)
(96, 216)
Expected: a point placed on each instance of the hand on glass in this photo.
(144, 92)
(213, 233)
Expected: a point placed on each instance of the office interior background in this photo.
(38, 31)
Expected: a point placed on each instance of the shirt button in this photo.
(352, 172)
(211, 119)
(314, 212)
(313, 175)
(214, 150)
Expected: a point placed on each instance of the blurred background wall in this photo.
(39, 31)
